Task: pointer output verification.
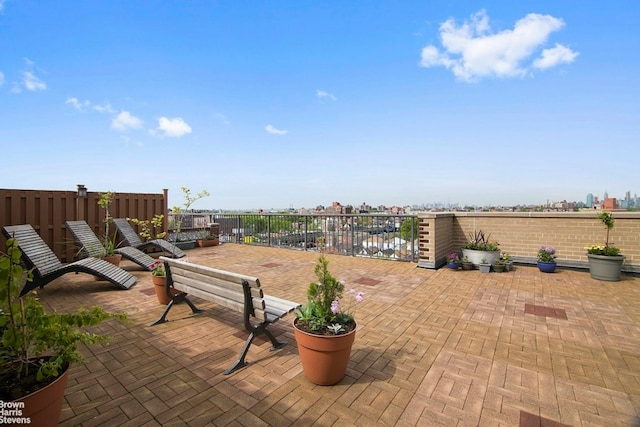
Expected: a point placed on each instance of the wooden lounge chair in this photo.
(91, 246)
(131, 238)
(47, 267)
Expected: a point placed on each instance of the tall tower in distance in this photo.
(606, 195)
(589, 202)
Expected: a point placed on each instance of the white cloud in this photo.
(125, 121)
(173, 127)
(554, 56)
(80, 106)
(272, 130)
(32, 82)
(222, 118)
(1, 78)
(1, 5)
(472, 51)
(106, 108)
(321, 94)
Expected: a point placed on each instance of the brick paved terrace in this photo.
(433, 348)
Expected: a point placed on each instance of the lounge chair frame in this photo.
(131, 238)
(47, 267)
(91, 246)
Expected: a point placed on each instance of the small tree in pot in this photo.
(37, 347)
(325, 328)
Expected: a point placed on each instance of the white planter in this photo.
(476, 257)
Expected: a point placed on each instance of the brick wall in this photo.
(521, 234)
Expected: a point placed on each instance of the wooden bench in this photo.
(235, 291)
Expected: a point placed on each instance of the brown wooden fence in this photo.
(48, 210)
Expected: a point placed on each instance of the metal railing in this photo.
(393, 237)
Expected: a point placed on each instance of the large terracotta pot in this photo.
(158, 284)
(43, 407)
(324, 357)
(113, 259)
(604, 267)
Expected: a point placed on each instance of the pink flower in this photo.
(335, 306)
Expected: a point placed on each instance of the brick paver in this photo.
(450, 348)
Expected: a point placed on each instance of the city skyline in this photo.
(276, 104)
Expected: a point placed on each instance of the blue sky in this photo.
(276, 104)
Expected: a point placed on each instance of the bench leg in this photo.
(174, 300)
(275, 344)
(241, 363)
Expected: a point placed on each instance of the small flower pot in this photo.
(467, 265)
(547, 267)
(484, 268)
(498, 268)
(453, 265)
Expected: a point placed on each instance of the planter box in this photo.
(476, 257)
(206, 243)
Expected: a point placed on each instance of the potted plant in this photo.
(605, 261)
(108, 240)
(547, 259)
(148, 227)
(484, 266)
(480, 246)
(453, 260)
(38, 347)
(182, 240)
(498, 265)
(507, 261)
(204, 239)
(467, 264)
(159, 279)
(324, 328)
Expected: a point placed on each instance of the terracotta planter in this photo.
(207, 243)
(113, 259)
(158, 284)
(604, 267)
(324, 357)
(43, 407)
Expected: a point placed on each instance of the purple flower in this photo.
(359, 297)
(335, 306)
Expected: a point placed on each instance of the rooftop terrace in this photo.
(434, 347)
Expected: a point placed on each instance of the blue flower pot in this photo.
(547, 267)
(453, 265)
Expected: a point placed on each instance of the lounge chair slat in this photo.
(47, 266)
(130, 238)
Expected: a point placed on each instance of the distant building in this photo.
(589, 202)
(337, 208)
(610, 203)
